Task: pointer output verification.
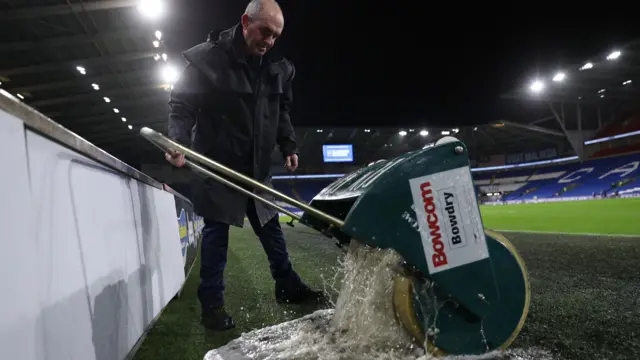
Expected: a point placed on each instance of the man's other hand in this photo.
(291, 162)
(175, 158)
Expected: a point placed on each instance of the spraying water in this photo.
(362, 326)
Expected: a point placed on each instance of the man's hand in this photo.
(291, 163)
(175, 158)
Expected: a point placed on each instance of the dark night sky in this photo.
(399, 63)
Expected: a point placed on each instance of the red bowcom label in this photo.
(448, 219)
(439, 257)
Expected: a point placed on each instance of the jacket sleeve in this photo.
(185, 103)
(286, 135)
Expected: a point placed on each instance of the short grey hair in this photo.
(254, 9)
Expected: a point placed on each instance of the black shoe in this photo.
(299, 294)
(217, 319)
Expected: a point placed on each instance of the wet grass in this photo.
(249, 295)
(585, 295)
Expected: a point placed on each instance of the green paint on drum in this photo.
(462, 333)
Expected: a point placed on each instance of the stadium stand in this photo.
(624, 125)
(622, 137)
(300, 189)
(616, 151)
(602, 177)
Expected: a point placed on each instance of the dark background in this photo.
(390, 63)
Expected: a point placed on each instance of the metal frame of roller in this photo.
(461, 289)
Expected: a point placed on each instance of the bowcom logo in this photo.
(448, 219)
(439, 257)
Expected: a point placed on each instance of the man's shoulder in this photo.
(285, 67)
(204, 53)
(212, 55)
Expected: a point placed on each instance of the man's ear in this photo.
(244, 20)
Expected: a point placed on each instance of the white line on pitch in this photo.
(567, 233)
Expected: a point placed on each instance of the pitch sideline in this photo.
(566, 233)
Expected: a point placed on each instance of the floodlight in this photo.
(152, 9)
(586, 66)
(424, 133)
(558, 77)
(169, 74)
(402, 133)
(614, 55)
(537, 86)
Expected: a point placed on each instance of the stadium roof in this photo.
(370, 144)
(583, 96)
(559, 108)
(94, 67)
(605, 77)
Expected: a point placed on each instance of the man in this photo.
(236, 96)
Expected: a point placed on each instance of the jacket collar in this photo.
(231, 39)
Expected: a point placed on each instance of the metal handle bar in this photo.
(242, 190)
(165, 143)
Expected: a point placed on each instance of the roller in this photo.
(460, 289)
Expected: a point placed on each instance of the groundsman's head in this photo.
(262, 24)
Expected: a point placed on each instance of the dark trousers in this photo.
(215, 240)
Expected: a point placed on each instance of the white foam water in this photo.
(362, 326)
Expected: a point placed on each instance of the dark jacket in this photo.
(238, 117)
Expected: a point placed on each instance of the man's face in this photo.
(261, 33)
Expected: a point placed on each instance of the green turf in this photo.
(585, 295)
(610, 216)
(249, 295)
(585, 289)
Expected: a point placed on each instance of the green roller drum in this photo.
(452, 330)
(461, 289)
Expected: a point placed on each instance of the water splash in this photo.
(364, 312)
(362, 326)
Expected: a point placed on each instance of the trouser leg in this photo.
(274, 245)
(289, 287)
(213, 260)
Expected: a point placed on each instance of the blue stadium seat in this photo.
(600, 177)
